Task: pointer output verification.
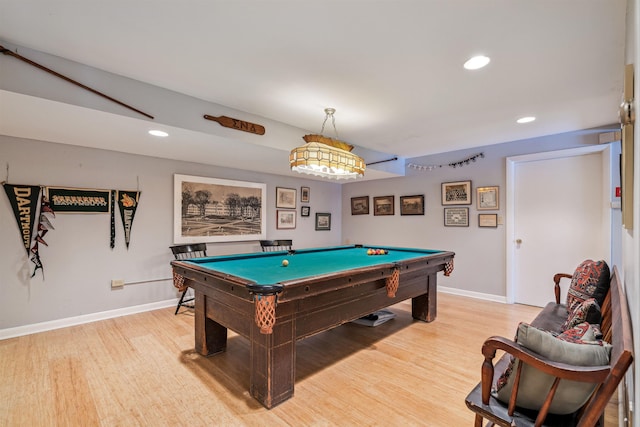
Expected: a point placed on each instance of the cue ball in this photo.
(285, 263)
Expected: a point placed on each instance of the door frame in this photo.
(511, 165)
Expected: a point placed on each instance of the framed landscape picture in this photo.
(286, 219)
(285, 198)
(323, 221)
(456, 217)
(217, 210)
(383, 205)
(360, 205)
(412, 205)
(456, 193)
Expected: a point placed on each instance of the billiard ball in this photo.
(285, 262)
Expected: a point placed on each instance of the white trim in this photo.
(472, 294)
(86, 318)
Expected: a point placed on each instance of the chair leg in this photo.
(180, 302)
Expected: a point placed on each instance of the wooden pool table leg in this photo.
(210, 336)
(273, 359)
(424, 307)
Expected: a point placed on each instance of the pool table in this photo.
(273, 305)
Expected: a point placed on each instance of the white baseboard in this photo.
(86, 318)
(472, 294)
(103, 315)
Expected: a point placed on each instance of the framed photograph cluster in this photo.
(285, 199)
(459, 193)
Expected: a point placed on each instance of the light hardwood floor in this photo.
(142, 370)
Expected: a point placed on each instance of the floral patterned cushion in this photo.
(579, 333)
(586, 311)
(590, 280)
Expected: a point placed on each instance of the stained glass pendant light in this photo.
(326, 157)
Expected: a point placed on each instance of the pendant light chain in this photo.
(329, 113)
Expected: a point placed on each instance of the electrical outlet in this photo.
(500, 220)
(117, 283)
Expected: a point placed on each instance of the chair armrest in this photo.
(556, 280)
(594, 374)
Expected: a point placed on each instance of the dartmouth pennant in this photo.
(27, 205)
(25, 201)
(128, 203)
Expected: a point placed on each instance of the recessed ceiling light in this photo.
(156, 132)
(527, 119)
(477, 62)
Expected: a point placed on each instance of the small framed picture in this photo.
(383, 205)
(412, 205)
(456, 193)
(323, 221)
(285, 198)
(305, 210)
(487, 198)
(286, 219)
(360, 205)
(456, 217)
(304, 194)
(488, 220)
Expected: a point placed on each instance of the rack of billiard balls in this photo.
(372, 251)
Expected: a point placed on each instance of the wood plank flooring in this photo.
(142, 370)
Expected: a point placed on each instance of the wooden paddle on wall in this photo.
(237, 124)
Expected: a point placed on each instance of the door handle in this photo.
(518, 241)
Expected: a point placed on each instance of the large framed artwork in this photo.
(218, 210)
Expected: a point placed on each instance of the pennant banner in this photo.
(24, 201)
(112, 221)
(78, 200)
(128, 203)
(44, 225)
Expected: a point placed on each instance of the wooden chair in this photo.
(192, 250)
(276, 245)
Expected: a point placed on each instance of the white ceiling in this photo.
(391, 68)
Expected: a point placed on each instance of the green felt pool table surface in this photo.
(267, 269)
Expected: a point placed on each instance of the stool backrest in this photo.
(276, 245)
(191, 250)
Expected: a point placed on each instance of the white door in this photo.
(559, 215)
